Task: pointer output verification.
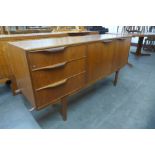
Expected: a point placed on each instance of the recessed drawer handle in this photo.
(51, 50)
(121, 39)
(106, 41)
(54, 50)
(52, 66)
(56, 84)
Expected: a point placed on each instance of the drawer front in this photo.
(55, 55)
(50, 94)
(57, 72)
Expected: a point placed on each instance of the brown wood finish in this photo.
(20, 70)
(140, 36)
(47, 96)
(107, 57)
(100, 59)
(5, 71)
(63, 111)
(43, 44)
(50, 74)
(139, 48)
(4, 68)
(50, 58)
(140, 43)
(44, 77)
(120, 55)
(3, 81)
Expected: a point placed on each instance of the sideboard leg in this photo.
(116, 78)
(14, 87)
(64, 108)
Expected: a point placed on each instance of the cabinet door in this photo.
(121, 53)
(100, 57)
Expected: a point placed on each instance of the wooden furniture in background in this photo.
(138, 31)
(5, 72)
(149, 42)
(4, 30)
(26, 29)
(40, 29)
(140, 43)
(69, 28)
(1, 29)
(49, 70)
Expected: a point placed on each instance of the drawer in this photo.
(57, 72)
(55, 55)
(51, 93)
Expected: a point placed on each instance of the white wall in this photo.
(112, 29)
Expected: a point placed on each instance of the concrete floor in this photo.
(129, 105)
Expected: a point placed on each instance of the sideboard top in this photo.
(31, 45)
(7, 36)
(10, 37)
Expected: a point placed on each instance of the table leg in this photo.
(139, 48)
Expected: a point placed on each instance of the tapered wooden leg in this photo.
(64, 108)
(116, 78)
(14, 87)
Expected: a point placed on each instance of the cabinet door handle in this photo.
(121, 39)
(54, 50)
(56, 84)
(106, 41)
(52, 66)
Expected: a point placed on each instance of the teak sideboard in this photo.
(49, 70)
(5, 72)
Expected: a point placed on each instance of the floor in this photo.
(131, 104)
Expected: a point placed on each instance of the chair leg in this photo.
(116, 78)
(63, 110)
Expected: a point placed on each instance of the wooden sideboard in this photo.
(5, 72)
(49, 70)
